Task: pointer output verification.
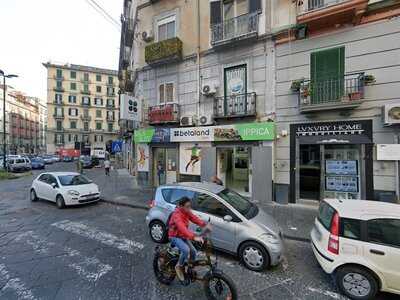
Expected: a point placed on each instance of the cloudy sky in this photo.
(36, 31)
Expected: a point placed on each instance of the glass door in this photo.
(171, 155)
(164, 166)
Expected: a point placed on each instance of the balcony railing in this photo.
(164, 113)
(59, 89)
(86, 118)
(57, 116)
(241, 27)
(345, 92)
(85, 92)
(163, 52)
(240, 105)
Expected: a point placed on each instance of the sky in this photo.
(36, 31)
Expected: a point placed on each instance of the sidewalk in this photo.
(121, 188)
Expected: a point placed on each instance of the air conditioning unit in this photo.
(147, 36)
(205, 120)
(391, 114)
(186, 121)
(209, 89)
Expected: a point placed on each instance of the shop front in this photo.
(331, 160)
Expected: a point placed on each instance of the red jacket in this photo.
(179, 223)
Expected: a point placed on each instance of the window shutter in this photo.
(254, 5)
(215, 12)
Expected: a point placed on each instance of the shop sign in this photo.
(238, 132)
(152, 135)
(333, 128)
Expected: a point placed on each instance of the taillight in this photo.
(152, 203)
(333, 243)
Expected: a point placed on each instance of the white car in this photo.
(358, 242)
(64, 188)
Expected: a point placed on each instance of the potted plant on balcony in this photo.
(296, 84)
(368, 79)
(305, 92)
(354, 96)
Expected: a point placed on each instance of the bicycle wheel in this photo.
(218, 286)
(164, 269)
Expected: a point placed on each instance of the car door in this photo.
(383, 249)
(52, 192)
(209, 208)
(171, 196)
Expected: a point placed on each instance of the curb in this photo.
(137, 206)
(298, 239)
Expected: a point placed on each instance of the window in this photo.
(110, 115)
(325, 215)
(69, 180)
(73, 124)
(72, 86)
(73, 112)
(75, 138)
(86, 113)
(58, 112)
(59, 138)
(85, 139)
(86, 126)
(58, 98)
(166, 93)
(44, 178)
(98, 125)
(52, 180)
(98, 89)
(86, 76)
(98, 138)
(208, 204)
(238, 202)
(110, 91)
(86, 88)
(110, 102)
(59, 84)
(110, 80)
(85, 100)
(59, 73)
(98, 101)
(166, 28)
(110, 127)
(69, 138)
(384, 231)
(73, 75)
(174, 195)
(98, 113)
(72, 99)
(59, 125)
(98, 77)
(350, 228)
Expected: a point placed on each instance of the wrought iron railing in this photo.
(343, 90)
(234, 28)
(310, 5)
(239, 105)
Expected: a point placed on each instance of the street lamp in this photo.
(4, 114)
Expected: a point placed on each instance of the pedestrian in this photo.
(216, 180)
(107, 166)
(160, 172)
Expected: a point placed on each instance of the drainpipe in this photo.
(198, 58)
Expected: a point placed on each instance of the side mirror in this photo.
(54, 185)
(228, 218)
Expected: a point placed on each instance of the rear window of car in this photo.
(384, 231)
(350, 228)
(173, 195)
(19, 161)
(325, 214)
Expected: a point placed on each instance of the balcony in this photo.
(86, 118)
(164, 52)
(333, 94)
(236, 29)
(240, 105)
(164, 113)
(59, 89)
(318, 14)
(85, 80)
(57, 116)
(60, 78)
(85, 92)
(110, 119)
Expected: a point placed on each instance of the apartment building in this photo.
(25, 122)
(204, 73)
(337, 99)
(82, 108)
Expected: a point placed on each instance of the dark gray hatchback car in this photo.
(239, 226)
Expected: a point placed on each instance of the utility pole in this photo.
(2, 73)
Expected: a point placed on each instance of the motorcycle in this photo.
(217, 285)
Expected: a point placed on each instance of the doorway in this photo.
(164, 166)
(310, 172)
(234, 168)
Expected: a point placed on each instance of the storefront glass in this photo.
(164, 166)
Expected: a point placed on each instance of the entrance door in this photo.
(164, 166)
(310, 172)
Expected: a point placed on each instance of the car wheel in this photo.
(254, 256)
(356, 283)
(158, 232)
(33, 196)
(60, 202)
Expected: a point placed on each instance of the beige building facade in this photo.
(82, 106)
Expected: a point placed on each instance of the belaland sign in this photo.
(262, 131)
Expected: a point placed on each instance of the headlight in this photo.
(73, 193)
(269, 238)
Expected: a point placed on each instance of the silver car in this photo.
(239, 226)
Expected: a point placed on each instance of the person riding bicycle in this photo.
(180, 235)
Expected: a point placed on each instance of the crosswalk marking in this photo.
(89, 267)
(106, 238)
(14, 284)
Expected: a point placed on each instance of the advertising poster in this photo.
(142, 154)
(341, 167)
(342, 184)
(190, 155)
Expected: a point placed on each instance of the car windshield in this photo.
(68, 180)
(241, 204)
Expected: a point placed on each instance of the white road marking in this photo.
(89, 267)
(15, 285)
(333, 295)
(106, 238)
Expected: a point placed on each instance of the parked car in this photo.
(37, 163)
(358, 242)
(87, 162)
(67, 159)
(47, 159)
(64, 188)
(18, 164)
(55, 158)
(239, 226)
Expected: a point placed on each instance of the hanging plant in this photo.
(296, 84)
(368, 79)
